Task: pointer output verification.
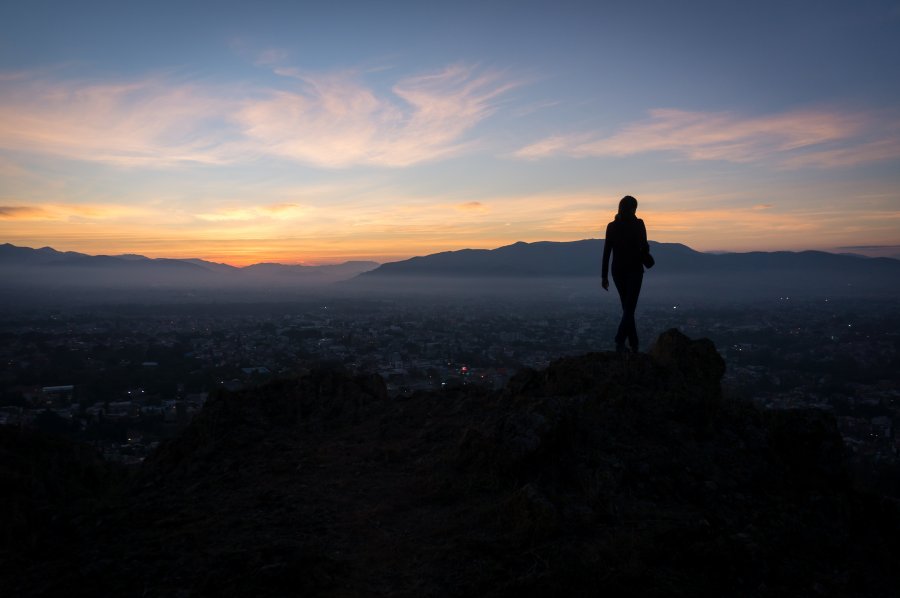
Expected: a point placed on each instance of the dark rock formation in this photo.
(50, 492)
(601, 475)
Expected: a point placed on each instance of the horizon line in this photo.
(841, 250)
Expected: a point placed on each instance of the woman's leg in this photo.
(621, 283)
(628, 284)
(635, 280)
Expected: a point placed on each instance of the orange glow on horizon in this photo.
(663, 227)
(295, 232)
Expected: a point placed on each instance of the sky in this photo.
(313, 133)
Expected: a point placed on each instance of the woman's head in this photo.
(627, 206)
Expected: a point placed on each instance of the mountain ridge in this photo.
(543, 268)
(49, 267)
(8, 250)
(680, 273)
(584, 259)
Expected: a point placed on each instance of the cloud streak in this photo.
(331, 120)
(472, 206)
(147, 122)
(393, 225)
(795, 139)
(336, 121)
(20, 212)
(283, 211)
(71, 213)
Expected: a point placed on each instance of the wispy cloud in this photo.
(793, 139)
(70, 213)
(873, 151)
(335, 120)
(9, 168)
(20, 212)
(147, 122)
(331, 120)
(271, 56)
(472, 206)
(391, 225)
(284, 211)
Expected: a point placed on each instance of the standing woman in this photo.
(626, 240)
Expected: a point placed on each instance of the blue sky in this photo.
(297, 132)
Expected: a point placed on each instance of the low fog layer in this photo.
(543, 270)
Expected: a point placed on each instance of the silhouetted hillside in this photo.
(541, 259)
(601, 475)
(23, 267)
(519, 270)
(680, 272)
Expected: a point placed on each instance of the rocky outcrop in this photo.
(49, 490)
(602, 474)
(236, 425)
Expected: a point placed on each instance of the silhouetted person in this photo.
(626, 240)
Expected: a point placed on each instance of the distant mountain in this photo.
(11, 254)
(525, 270)
(583, 258)
(541, 259)
(48, 268)
(680, 271)
(131, 256)
(214, 266)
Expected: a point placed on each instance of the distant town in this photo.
(125, 378)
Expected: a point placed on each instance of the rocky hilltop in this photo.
(601, 475)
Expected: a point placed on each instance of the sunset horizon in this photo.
(359, 133)
(286, 258)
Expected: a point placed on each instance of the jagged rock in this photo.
(692, 363)
(530, 513)
(808, 443)
(50, 490)
(232, 426)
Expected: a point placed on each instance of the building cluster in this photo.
(126, 378)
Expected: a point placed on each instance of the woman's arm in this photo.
(645, 246)
(607, 249)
